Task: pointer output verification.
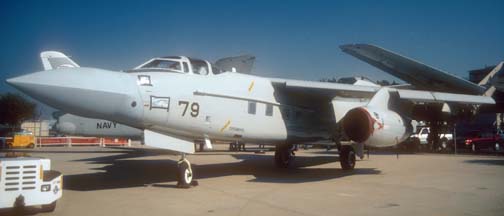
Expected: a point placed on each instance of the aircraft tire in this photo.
(347, 157)
(185, 175)
(283, 156)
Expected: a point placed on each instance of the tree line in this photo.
(14, 109)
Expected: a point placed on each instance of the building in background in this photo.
(490, 118)
(37, 127)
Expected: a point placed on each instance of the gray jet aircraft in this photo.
(176, 100)
(69, 124)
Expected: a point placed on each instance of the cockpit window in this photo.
(186, 67)
(216, 70)
(199, 67)
(164, 64)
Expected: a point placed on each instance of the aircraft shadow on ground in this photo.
(123, 171)
(486, 162)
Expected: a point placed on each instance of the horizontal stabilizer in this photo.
(162, 141)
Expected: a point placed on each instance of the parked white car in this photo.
(420, 138)
(29, 181)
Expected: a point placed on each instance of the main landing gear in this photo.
(284, 154)
(185, 174)
(347, 157)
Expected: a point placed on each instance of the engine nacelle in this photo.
(376, 127)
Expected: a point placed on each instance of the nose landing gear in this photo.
(185, 174)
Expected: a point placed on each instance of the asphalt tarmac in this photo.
(142, 181)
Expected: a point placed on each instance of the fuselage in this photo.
(227, 106)
(73, 125)
(183, 97)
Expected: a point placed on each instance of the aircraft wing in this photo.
(442, 97)
(420, 75)
(327, 91)
(323, 89)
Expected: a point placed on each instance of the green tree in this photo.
(14, 109)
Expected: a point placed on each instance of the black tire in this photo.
(184, 175)
(283, 156)
(49, 207)
(9, 146)
(347, 157)
(31, 145)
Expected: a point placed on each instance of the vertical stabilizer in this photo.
(54, 60)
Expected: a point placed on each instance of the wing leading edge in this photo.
(330, 90)
(420, 75)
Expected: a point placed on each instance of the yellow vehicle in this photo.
(21, 140)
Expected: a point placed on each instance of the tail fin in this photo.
(493, 80)
(54, 60)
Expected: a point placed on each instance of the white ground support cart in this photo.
(29, 181)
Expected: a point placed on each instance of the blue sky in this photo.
(291, 39)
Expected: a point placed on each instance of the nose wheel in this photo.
(185, 174)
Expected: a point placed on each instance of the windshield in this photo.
(164, 64)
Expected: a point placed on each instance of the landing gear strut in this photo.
(347, 157)
(185, 174)
(284, 154)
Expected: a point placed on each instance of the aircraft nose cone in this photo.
(11, 81)
(85, 91)
(17, 81)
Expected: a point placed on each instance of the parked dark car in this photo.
(480, 140)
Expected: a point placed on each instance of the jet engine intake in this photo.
(375, 127)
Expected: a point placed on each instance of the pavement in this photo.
(142, 181)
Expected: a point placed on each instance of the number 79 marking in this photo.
(194, 108)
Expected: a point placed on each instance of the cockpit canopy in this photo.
(178, 64)
(163, 64)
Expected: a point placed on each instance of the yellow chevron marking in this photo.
(251, 86)
(225, 126)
